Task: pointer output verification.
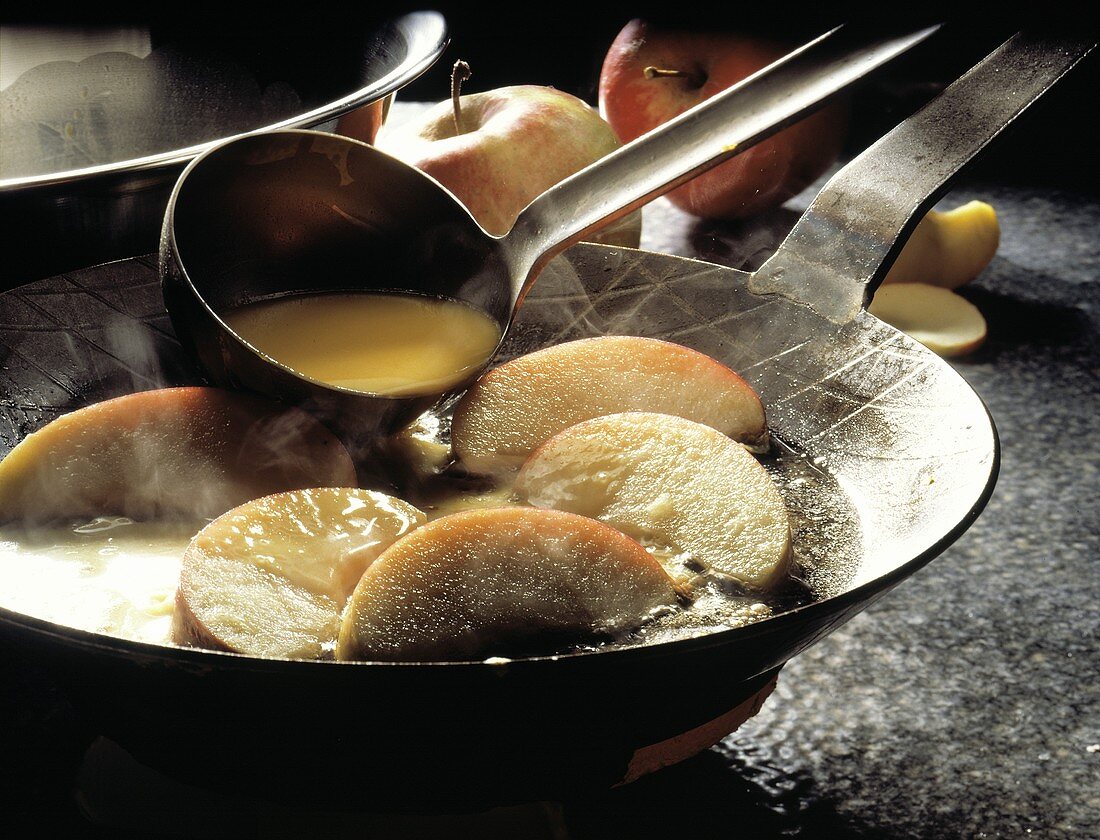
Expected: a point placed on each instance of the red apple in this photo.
(511, 145)
(651, 75)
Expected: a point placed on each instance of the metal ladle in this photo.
(299, 212)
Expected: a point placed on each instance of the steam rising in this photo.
(171, 453)
(182, 470)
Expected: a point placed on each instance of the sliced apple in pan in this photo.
(672, 481)
(503, 582)
(942, 320)
(512, 409)
(272, 576)
(170, 452)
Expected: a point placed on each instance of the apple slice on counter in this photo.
(671, 481)
(942, 320)
(949, 248)
(193, 452)
(515, 407)
(272, 576)
(504, 582)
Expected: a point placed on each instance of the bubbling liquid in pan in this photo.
(109, 575)
(118, 577)
(388, 344)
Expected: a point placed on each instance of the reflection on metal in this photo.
(111, 107)
(23, 47)
(91, 148)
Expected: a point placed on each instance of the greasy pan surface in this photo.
(885, 457)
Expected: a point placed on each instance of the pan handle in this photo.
(838, 252)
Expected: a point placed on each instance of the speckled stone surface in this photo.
(964, 704)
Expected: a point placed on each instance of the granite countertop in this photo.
(962, 705)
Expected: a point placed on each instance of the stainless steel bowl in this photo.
(90, 149)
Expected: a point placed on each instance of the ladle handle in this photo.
(698, 139)
(843, 245)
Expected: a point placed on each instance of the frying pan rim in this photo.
(865, 592)
(408, 69)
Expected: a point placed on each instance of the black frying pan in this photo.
(889, 453)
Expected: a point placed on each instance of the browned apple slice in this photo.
(668, 480)
(272, 576)
(515, 407)
(501, 582)
(171, 452)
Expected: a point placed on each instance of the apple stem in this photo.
(661, 72)
(459, 73)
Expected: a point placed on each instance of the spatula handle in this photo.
(711, 132)
(840, 249)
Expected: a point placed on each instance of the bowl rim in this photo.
(425, 33)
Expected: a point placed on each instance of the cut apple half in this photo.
(187, 452)
(271, 577)
(515, 407)
(670, 481)
(942, 320)
(504, 582)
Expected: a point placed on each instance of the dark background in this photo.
(563, 44)
(566, 49)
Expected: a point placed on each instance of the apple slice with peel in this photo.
(272, 576)
(187, 452)
(949, 248)
(942, 320)
(503, 582)
(515, 407)
(671, 481)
